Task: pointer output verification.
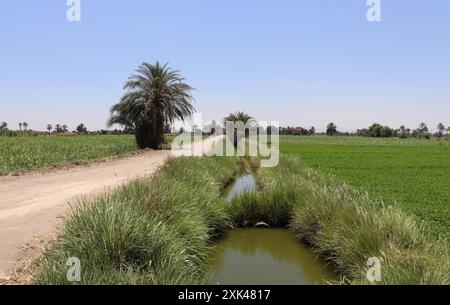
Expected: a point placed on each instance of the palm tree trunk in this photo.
(144, 136)
(159, 130)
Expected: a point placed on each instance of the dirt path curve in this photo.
(31, 206)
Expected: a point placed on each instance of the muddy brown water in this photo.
(263, 256)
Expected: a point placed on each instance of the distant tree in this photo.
(375, 130)
(4, 126)
(331, 129)
(49, 127)
(422, 131)
(363, 132)
(243, 117)
(181, 130)
(20, 126)
(312, 130)
(403, 132)
(25, 126)
(423, 127)
(239, 116)
(81, 128)
(441, 129)
(386, 132)
(58, 128)
(65, 128)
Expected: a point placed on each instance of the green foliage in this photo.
(156, 95)
(331, 129)
(21, 154)
(411, 174)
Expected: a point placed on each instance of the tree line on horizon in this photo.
(156, 96)
(57, 129)
(376, 130)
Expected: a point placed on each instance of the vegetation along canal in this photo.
(263, 256)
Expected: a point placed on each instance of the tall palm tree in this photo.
(25, 126)
(49, 127)
(156, 95)
(4, 126)
(20, 126)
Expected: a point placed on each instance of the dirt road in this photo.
(31, 206)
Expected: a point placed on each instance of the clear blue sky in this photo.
(300, 62)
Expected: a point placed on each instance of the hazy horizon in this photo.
(302, 63)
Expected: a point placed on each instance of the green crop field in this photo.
(21, 154)
(413, 174)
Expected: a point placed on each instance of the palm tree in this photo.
(156, 95)
(20, 126)
(49, 127)
(25, 125)
(441, 128)
(4, 126)
(239, 116)
(331, 129)
(243, 117)
(423, 127)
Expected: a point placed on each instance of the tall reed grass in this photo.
(152, 231)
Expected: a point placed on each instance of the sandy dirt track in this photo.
(31, 206)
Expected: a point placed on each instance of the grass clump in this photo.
(152, 231)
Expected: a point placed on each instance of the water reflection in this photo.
(266, 256)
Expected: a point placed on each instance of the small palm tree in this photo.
(4, 126)
(20, 126)
(156, 95)
(331, 129)
(423, 127)
(25, 125)
(49, 127)
(240, 116)
(243, 117)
